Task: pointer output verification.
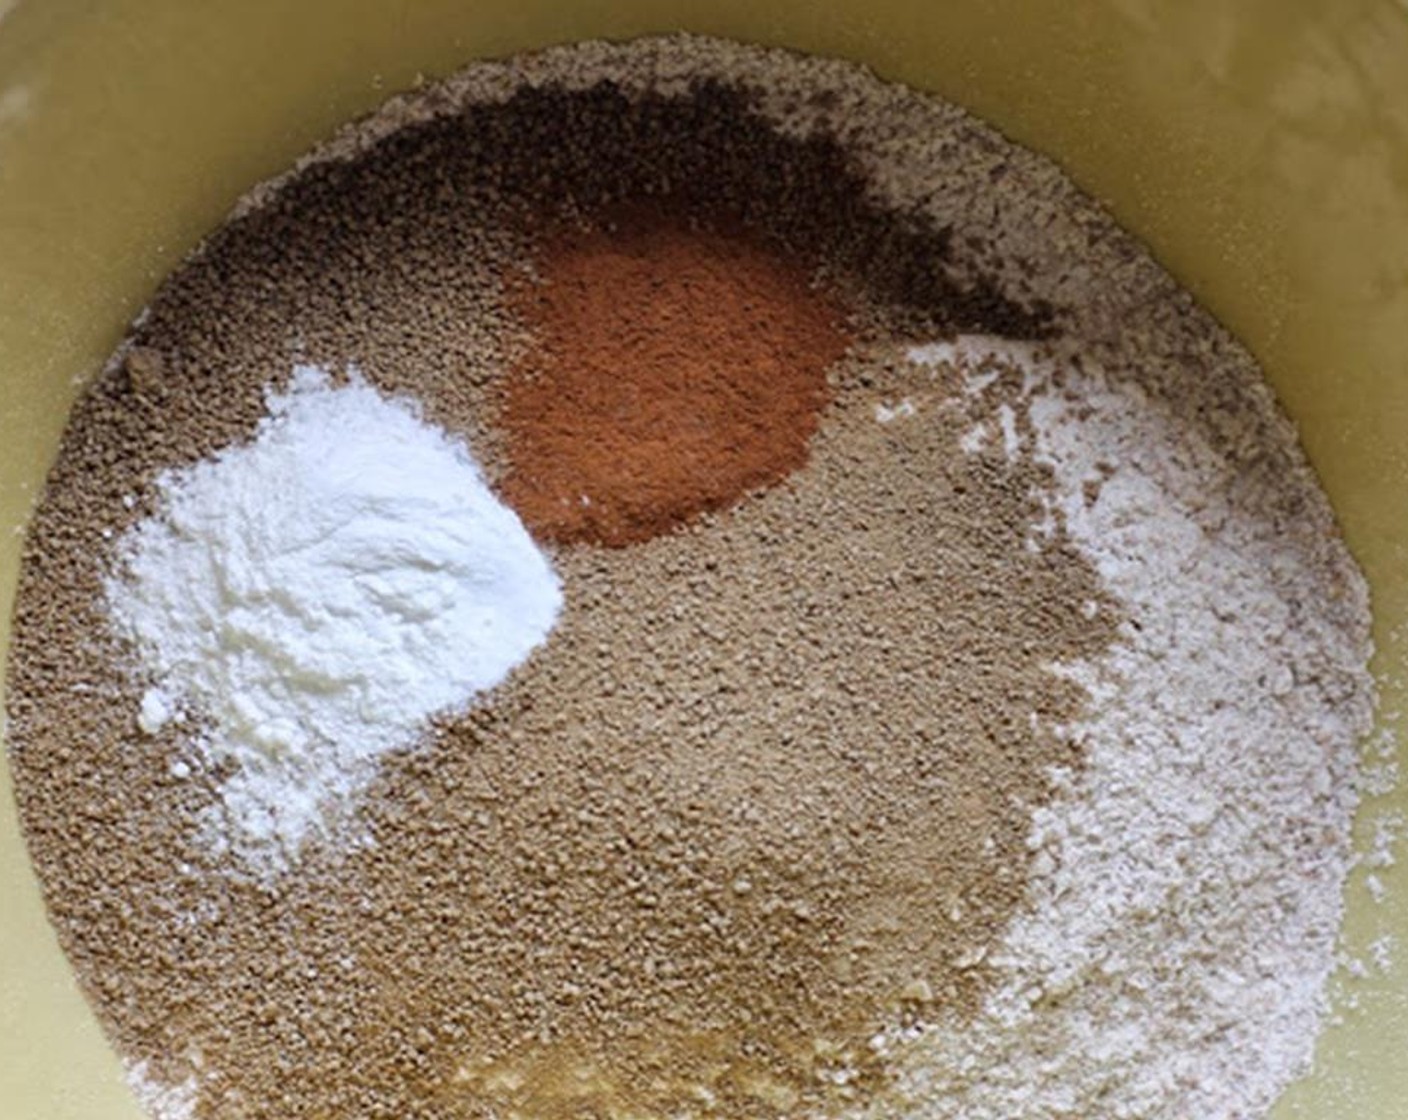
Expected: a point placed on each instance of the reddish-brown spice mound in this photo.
(674, 369)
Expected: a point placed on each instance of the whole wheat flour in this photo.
(991, 757)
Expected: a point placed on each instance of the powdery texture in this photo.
(676, 369)
(1186, 891)
(162, 1101)
(315, 595)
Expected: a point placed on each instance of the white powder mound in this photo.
(315, 595)
(163, 1102)
(1186, 889)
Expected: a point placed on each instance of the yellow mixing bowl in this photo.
(1259, 146)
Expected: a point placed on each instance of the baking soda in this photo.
(312, 597)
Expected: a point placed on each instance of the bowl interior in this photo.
(1261, 150)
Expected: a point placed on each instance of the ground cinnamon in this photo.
(675, 369)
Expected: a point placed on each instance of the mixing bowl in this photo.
(1260, 148)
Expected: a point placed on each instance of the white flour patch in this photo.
(888, 413)
(974, 439)
(1185, 899)
(159, 1101)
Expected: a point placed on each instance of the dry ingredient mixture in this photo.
(953, 705)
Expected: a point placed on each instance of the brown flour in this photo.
(765, 789)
